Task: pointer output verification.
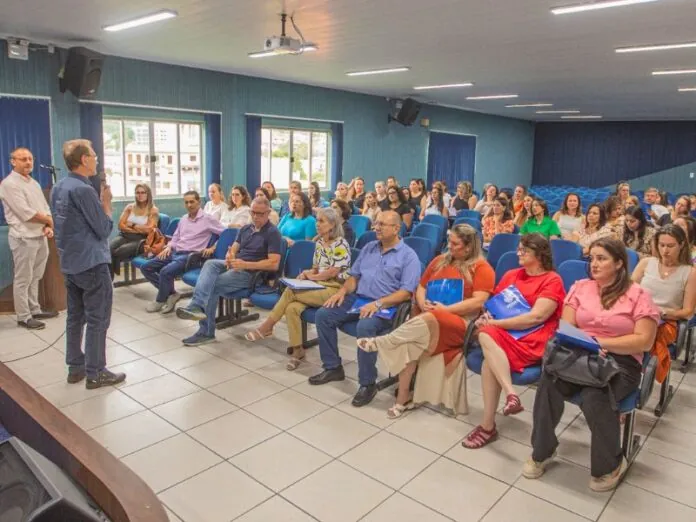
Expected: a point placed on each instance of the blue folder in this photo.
(384, 313)
(445, 291)
(507, 304)
(569, 335)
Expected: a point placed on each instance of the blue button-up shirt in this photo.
(382, 274)
(82, 228)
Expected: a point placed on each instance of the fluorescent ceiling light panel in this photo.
(443, 86)
(378, 71)
(165, 14)
(280, 52)
(674, 72)
(493, 97)
(657, 47)
(583, 117)
(592, 6)
(569, 111)
(687, 89)
(523, 105)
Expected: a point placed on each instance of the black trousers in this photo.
(124, 246)
(597, 408)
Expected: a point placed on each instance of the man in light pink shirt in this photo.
(192, 236)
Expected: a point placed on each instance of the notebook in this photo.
(300, 284)
(507, 304)
(445, 291)
(569, 335)
(384, 313)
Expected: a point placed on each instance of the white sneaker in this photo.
(610, 481)
(154, 307)
(533, 469)
(170, 303)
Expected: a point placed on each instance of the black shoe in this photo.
(335, 374)
(75, 377)
(32, 324)
(365, 395)
(105, 378)
(45, 315)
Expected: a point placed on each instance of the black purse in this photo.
(578, 366)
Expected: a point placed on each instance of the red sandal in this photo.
(478, 437)
(513, 405)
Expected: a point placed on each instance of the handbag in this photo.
(578, 366)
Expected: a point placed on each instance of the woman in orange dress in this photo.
(436, 329)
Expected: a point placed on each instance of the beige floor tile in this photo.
(570, 411)
(160, 390)
(278, 373)
(502, 459)
(102, 409)
(673, 443)
(665, 477)
(62, 394)
(233, 433)
(429, 429)
(331, 394)
(678, 417)
(133, 433)
(212, 372)
(286, 409)
(118, 354)
(567, 485)
(167, 323)
(180, 358)
(21, 343)
(153, 344)
(172, 516)
(193, 410)
(281, 461)
(631, 504)
(139, 371)
(171, 461)
(375, 413)
(276, 508)
(218, 494)
(337, 493)
(246, 389)
(42, 358)
(251, 357)
(684, 396)
(574, 444)
(334, 432)
(389, 459)
(128, 335)
(400, 507)
(521, 507)
(434, 488)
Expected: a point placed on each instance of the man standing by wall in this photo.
(82, 226)
(29, 218)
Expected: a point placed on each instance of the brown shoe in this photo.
(105, 378)
(76, 376)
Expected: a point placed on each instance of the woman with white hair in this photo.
(329, 269)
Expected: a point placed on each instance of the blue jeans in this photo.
(90, 295)
(162, 273)
(216, 280)
(329, 319)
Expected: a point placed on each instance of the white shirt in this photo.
(22, 198)
(215, 210)
(237, 216)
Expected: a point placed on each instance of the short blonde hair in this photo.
(73, 151)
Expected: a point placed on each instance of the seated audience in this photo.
(386, 273)
(594, 228)
(543, 290)
(193, 235)
(682, 208)
(256, 249)
(490, 193)
(569, 218)
(518, 198)
(276, 202)
(418, 193)
(632, 201)
(525, 213)
(315, 199)
(638, 233)
(344, 212)
(435, 204)
(688, 225)
(622, 318)
(295, 189)
(446, 197)
(398, 204)
(461, 200)
(331, 262)
(216, 201)
(436, 329)
(692, 198)
(615, 216)
(237, 214)
(623, 192)
(540, 222)
(381, 190)
(670, 277)
(273, 216)
(391, 182)
(298, 224)
(356, 192)
(371, 208)
(498, 221)
(406, 192)
(137, 220)
(651, 197)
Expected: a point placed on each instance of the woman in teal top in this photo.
(299, 223)
(540, 222)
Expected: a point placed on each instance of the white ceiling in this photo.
(503, 46)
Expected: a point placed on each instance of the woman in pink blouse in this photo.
(623, 319)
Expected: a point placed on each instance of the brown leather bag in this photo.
(154, 243)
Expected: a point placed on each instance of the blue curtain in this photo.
(92, 129)
(213, 152)
(253, 151)
(336, 154)
(25, 122)
(451, 158)
(603, 153)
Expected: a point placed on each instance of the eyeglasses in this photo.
(259, 214)
(392, 193)
(523, 250)
(140, 193)
(379, 224)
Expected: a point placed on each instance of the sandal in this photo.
(398, 410)
(367, 344)
(513, 405)
(256, 335)
(296, 359)
(478, 437)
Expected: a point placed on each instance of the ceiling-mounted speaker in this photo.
(82, 72)
(405, 112)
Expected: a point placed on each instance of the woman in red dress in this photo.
(543, 290)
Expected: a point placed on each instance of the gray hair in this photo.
(261, 200)
(73, 151)
(335, 219)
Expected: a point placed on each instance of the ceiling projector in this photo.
(283, 44)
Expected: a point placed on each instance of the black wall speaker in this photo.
(407, 112)
(34, 489)
(82, 72)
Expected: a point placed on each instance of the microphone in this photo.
(51, 169)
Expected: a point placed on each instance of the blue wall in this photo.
(373, 148)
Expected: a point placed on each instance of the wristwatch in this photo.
(378, 303)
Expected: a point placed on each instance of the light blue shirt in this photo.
(382, 274)
(298, 229)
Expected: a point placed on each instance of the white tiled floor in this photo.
(223, 432)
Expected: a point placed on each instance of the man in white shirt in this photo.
(656, 211)
(29, 218)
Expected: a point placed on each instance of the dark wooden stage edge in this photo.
(119, 492)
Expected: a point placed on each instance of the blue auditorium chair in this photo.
(633, 259)
(431, 233)
(439, 221)
(500, 244)
(163, 223)
(171, 228)
(508, 261)
(423, 249)
(476, 223)
(571, 271)
(222, 245)
(129, 273)
(563, 250)
(366, 238)
(467, 213)
(360, 224)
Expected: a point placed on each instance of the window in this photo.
(164, 154)
(294, 155)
